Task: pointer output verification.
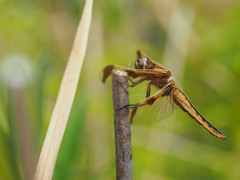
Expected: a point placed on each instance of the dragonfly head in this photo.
(143, 63)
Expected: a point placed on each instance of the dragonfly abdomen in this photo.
(181, 100)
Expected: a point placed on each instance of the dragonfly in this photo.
(160, 105)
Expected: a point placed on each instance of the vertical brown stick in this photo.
(122, 129)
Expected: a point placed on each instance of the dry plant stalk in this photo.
(122, 128)
(65, 99)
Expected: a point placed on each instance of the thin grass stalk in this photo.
(65, 99)
(26, 146)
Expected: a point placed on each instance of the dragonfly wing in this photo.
(154, 108)
(182, 101)
(138, 76)
(105, 75)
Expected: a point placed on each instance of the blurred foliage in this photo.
(176, 148)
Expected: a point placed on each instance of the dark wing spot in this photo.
(151, 101)
(168, 92)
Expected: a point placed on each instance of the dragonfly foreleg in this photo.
(130, 106)
(133, 83)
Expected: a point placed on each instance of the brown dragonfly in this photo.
(161, 104)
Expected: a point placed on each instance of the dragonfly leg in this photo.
(133, 83)
(130, 106)
(148, 90)
(131, 80)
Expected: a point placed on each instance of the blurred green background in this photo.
(199, 41)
